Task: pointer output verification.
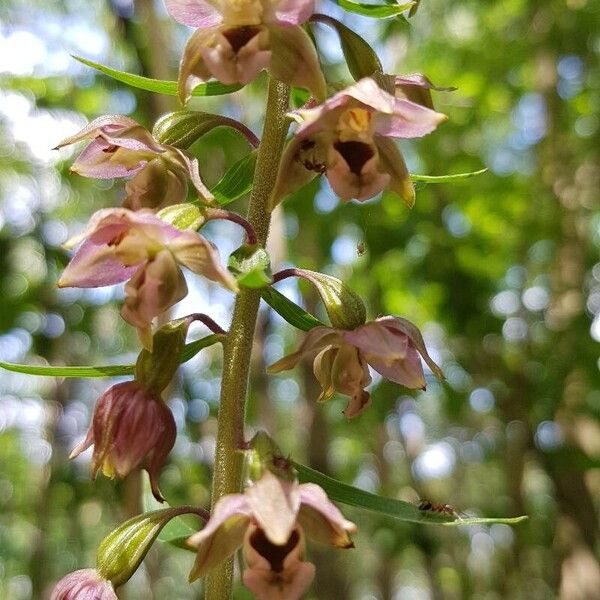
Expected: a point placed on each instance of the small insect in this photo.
(360, 248)
(443, 509)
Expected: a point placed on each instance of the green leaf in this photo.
(446, 178)
(237, 181)
(289, 310)
(398, 509)
(168, 88)
(88, 371)
(251, 266)
(188, 352)
(376, 11)
(361, 59)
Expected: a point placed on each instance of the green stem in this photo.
(238, 345)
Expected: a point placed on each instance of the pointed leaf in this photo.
(289, 310)
(190, 350)
(398, 509)
(159, 86)
(237, 181)
(446, 178)
(376, 11)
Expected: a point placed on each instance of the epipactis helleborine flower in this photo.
(270, 520)
(392, 346)
(131, 427)
(348, 139)
(120, 244)
(85, 584)
(120, 147)
(236, 39)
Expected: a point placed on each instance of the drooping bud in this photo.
(131, 427)
(121, 552)
(344, 307)
(83, 585)
(183, 128)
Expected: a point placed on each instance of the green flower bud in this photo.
(183, 128)
(121, 552)
(344, 307)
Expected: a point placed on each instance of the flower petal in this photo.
(392, 162)
(407, 371)
(321, 519)
(276, 572)
(155, 288)
(195, 13)
(412, 331)
(293, 12)
(93, 266)
(275, 503)
(85, 584)
(195, 252)
(375, 338)
(316, 339)
(294, 60)
(349, 184)
(222, 535)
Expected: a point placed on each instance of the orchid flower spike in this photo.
(120, 245)
(85, 584)
(131, 427)
(391, 345)
(348, 138)
(235, 40)
(270, 521)
(120, 147)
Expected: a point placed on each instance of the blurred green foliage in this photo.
(501, 272)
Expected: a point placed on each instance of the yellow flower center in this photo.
(355, 124)
(242, 12)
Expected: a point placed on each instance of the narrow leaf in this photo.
(446, 178)
(376, 11)
(398, 509)
(289, 310)
(237, 181)
(168, 88)
(87, 371)
(189, 351)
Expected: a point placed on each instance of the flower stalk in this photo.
(238, 345)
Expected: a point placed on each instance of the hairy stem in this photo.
(238, 345)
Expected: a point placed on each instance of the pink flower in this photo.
(348, 139)
(85, 584)
(120, 147)
(236, 40)
(131, 426)
(270, 520)
(417, 88)
(392, 346)
(120, 244)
